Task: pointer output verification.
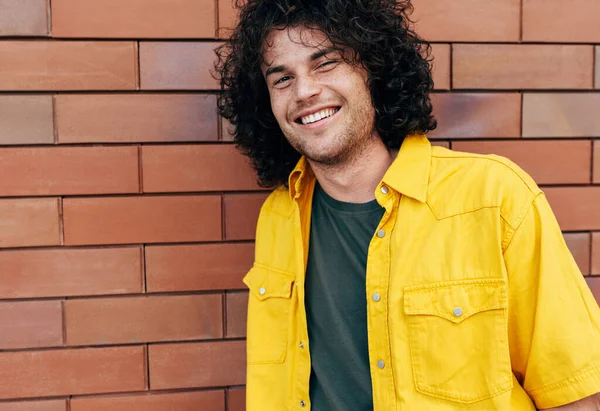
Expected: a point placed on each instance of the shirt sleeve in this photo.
(554, 320)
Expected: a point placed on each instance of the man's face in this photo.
(321, 103)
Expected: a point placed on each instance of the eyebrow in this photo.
(315, 56)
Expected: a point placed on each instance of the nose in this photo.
(307, 87)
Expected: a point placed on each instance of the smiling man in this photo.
(390, 274)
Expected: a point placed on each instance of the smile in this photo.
(319, 115)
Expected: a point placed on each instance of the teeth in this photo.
(311, 118)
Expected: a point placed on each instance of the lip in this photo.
(321, 123)
(313, 111)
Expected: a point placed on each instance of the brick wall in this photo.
(127, 217)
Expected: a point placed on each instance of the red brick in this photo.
(70, 272)
(554, 21)
(143, 319)
(548, 161)
(561, 115)
(26, 120)
(177, 66)
(441, 66)
(236, 399)
(68, 65)
(576, 208)
(467, 115)
(136, 117)
(28, 324)
(210, 364)
(597, 65)
(596, 164)
(241, 214)
(69, 170)
(579, 245)
(71, 372)
(133, 18)
(523, 66)
(175, 401)
(594, 284)
(196, 168)
(228, 17)
(197, 267)
(48, 405)
(595, 270)
(467, 20)
(143, 219)
(237, 311)
(29, 222)
(23, 18)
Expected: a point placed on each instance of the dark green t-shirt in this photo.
(336, 303)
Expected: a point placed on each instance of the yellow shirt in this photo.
(480, 304)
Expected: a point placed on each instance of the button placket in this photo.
(378, 281)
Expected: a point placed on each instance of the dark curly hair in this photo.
(378, 32)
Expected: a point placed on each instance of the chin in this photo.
(326, 158)
(321, 149)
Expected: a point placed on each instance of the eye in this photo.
(328, 63)
(281, 80)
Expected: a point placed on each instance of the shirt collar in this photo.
(408, 174)
(298, 176)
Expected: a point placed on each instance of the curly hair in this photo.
(380, 36)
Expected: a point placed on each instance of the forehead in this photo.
(292, 42)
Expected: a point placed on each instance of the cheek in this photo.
(352, 83)
(360, 85)
(361, 91)
(278, 106)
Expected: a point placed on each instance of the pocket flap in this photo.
(266, 283)
(455, 300)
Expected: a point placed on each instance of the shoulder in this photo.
(277, 203)
(463, 182)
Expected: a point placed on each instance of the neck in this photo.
(355, 180)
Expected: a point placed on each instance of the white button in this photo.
(458, 312)
(302, 403)
(384, 189)
(376, 297)
(301, 344)
(262, 290)
(381, 233)
(380, 364)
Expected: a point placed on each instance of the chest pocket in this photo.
(269, 306)
(458, 335)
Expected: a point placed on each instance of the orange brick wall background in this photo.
(127, 217)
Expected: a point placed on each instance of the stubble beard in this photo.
(347, 146)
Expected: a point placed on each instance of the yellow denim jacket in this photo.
(481, 306)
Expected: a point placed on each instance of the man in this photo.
(389, 274)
